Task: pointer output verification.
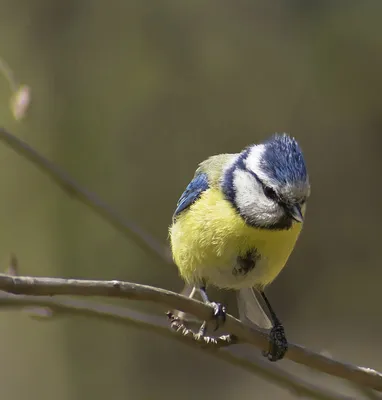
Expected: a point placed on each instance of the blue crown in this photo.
(283, 161)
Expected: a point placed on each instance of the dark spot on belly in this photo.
(246, 263)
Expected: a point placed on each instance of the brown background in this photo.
(128, 96)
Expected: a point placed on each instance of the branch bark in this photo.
(243, 359)
(34, 286)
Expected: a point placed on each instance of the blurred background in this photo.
(128, 96)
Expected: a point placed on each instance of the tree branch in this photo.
(146, 241)
(142, 238)
(91, 309)
(55, 286)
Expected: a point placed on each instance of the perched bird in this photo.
(236, 225)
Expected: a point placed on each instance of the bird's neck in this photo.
(227, 182)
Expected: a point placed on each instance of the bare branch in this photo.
(8, 74)
(78, 307)
(54, 286)
(142, 238)
(367, 392)
(147, 242)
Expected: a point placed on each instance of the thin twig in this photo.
(132, 291)
(7, 72)
(370, 394)
(79, 307)
(142, 238)
(366, 392)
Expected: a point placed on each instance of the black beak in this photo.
(295, 212)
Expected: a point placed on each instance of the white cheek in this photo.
(251, 200)
(248, 190)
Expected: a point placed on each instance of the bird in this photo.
(235, 226)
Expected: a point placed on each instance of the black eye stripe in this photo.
(268, 191)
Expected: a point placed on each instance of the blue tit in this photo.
(236, 225)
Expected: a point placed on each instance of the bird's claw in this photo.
(278, 344)
(219, 314)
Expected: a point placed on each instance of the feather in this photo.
(252, 309)
(193, 191)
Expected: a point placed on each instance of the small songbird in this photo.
(236, 225)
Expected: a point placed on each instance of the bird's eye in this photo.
(270, 193)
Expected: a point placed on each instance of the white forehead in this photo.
(252, 163)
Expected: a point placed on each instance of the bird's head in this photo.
(268, 183)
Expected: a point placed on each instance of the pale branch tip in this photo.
(37, 286)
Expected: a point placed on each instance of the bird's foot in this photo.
(202, 331)
(278, 344)
(219, 314)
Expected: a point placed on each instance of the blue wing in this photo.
(193, 191)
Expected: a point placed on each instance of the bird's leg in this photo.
(176, 320)
(179, 316)
(278, 344)
(219, 313)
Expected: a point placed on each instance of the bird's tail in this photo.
(252, 308)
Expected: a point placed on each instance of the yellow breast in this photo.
(208, 237)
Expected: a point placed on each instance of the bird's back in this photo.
(214, 167)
